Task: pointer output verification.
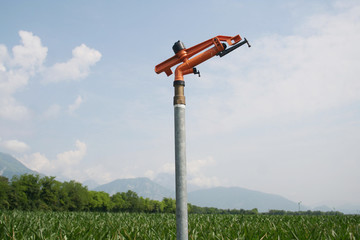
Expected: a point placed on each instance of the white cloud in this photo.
(98, 173)
(64, 164)
(195, 167)
(11, 109)
(38, 162)
(30, 55)
(284, 78)
(27, 61)
(204, 181)
(67, 165)
(78, 67)
(79, 100)
(74, 156)
(196, 173)
(15, 73)
(15, 145)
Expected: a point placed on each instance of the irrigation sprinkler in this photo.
(190, 58)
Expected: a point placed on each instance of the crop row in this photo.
(86, 225)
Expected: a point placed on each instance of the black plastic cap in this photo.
(178, 46)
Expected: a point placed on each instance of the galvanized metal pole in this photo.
(180, 162)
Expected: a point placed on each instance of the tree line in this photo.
(31, 192)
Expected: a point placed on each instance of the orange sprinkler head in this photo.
(189, 60)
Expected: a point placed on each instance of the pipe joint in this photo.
(179, 97)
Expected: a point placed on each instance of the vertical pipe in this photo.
(180, 162)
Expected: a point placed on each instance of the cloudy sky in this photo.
(79, 98)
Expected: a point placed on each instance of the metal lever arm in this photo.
(226, 51)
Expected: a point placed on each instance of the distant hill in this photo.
(240, 198)
(144, 187)
(10, 166)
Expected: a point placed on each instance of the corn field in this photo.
(87, 225)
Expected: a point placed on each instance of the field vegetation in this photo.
(32, 207)
(95, 225)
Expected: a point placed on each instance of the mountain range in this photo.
(10, 166)
(218, 197)
(163, 186)
(144, 187)
(240, 198)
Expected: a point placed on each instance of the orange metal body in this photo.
(188, 58)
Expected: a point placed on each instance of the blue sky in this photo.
(79, 98)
